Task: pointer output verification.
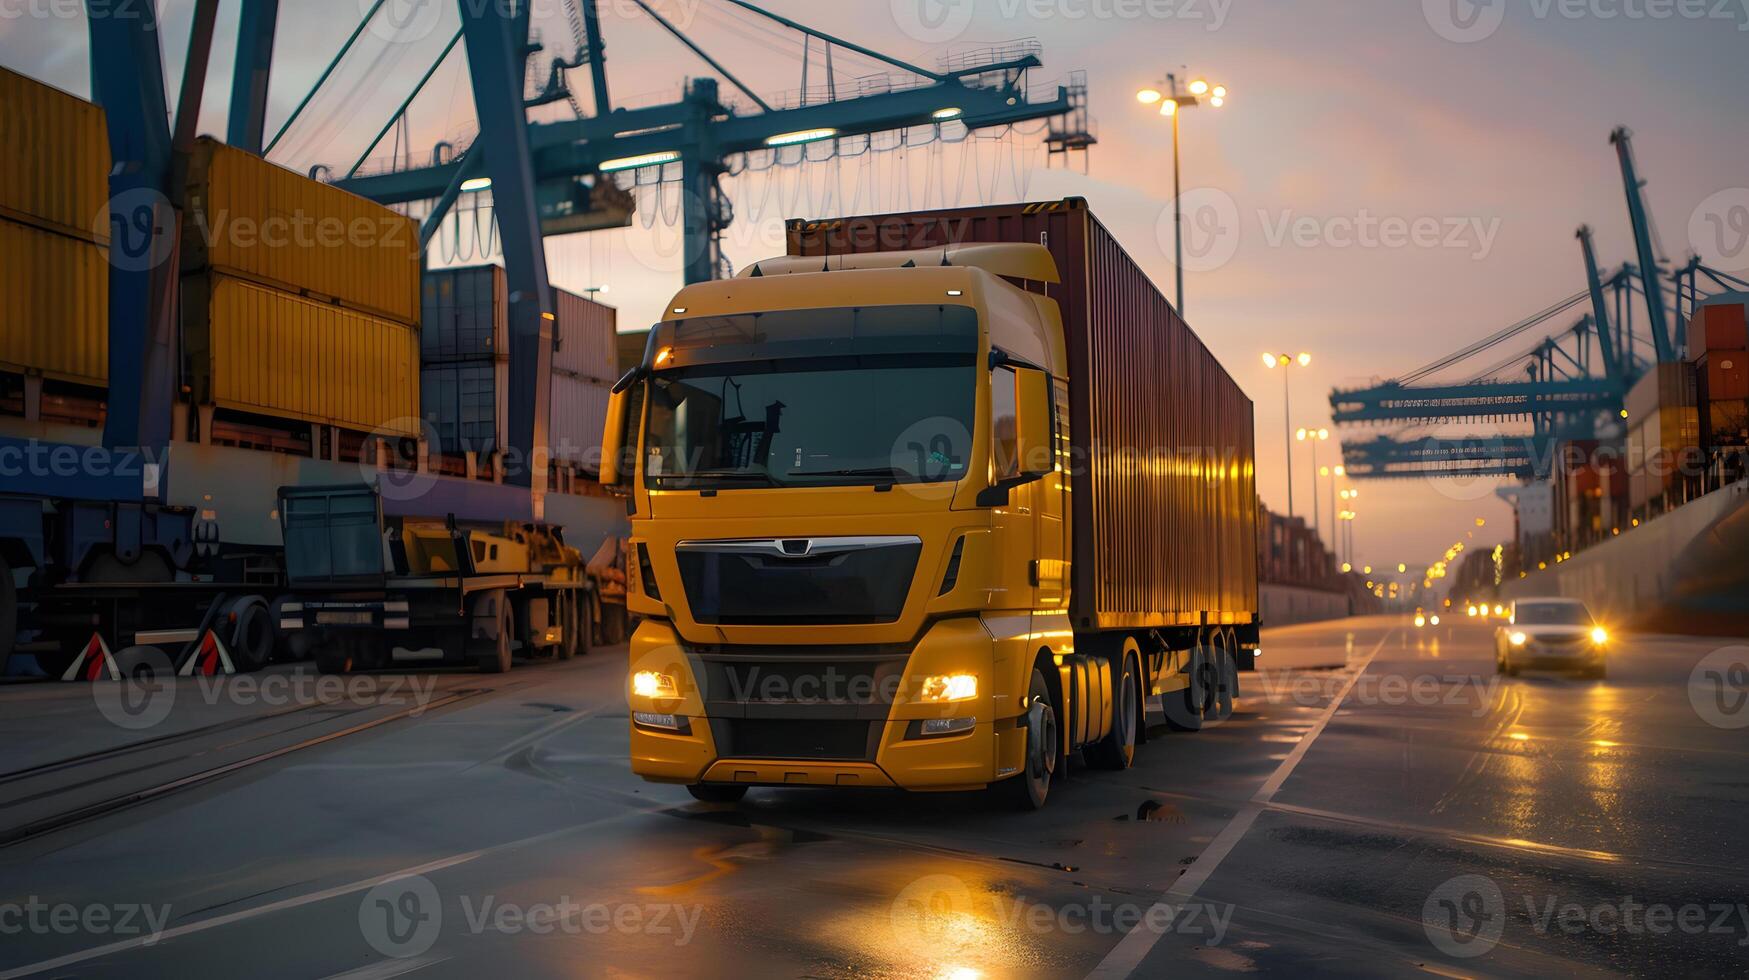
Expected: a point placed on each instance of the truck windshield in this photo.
(816, 421)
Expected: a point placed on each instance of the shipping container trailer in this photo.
(969, 460)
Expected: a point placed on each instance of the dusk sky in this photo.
(1489, 123)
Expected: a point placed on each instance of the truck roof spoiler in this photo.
(1019, 260)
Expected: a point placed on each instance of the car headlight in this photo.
(1420, 620)
(1599, 635)
(949, 687)
(1517, 638)
(650, 684)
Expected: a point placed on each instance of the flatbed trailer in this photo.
(370, 592)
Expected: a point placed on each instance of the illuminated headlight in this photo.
(1434, 620)
(1517, 638)
(651, 719)
(950, 687)
(650, 684)
(1599, 635)
(948, 726)
(1420, 620)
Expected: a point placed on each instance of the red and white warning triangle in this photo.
(94, 663)
(209, 659)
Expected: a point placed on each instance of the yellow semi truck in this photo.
(935, 501)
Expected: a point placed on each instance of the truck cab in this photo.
(850, 530)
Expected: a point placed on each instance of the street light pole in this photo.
(1177, 211)
(1171, 100)
(1287, 432)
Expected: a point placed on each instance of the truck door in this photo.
(1050, 572)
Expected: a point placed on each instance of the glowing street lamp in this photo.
(1171, 99)
(1273, 361)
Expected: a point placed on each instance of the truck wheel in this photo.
(1226, 677)
(566, 604)
(496, 659)
(716, 792)
(1028, 789)
(8, 613)
(1117, 750)
(1185, 707)
(252, 637)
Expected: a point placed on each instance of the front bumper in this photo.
(1556, 656)
(765, 738)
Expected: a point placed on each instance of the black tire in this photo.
(566, 604)
(1186, 706)
(8, 613)
(496, 657)
(717, 792)
(252, 638)
(1226, 678)
(1028, 789)
(1117, 750)
(613, 624)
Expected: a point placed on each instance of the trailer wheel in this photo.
(1117, 750)
(1225, 676)
(8, 613)
(1186, 706)
(252, 638)
(1028, 789)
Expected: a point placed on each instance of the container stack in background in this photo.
(1718, 345)
(465, 351)
(54, 263)
(300, 306)
(1663, 433)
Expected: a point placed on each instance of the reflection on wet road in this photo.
(1438, 817)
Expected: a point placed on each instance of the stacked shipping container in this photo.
(54, 232)
(1663, 431)
(465, 350)
(1718, 341)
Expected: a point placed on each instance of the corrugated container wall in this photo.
(267, 351)
(466, 369)
(54, 192)
(1719, 324)
(1165, 521)
(250, 219)
(54, 305)
(54, 159)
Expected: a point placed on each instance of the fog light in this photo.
(649, 684)
(948, 726)
(650, 719)
(950, 687)
(1517, 639)
(1599, 635)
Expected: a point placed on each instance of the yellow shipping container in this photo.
(54, 305)
(258, 349)
(54, 159)
(250, 218)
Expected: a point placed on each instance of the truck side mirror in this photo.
(613, 437)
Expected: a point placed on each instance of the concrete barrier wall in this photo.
(1685, 571)
(1284, 605)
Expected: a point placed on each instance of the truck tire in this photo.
(1185, 707)
(252, 636)
(496, 657)
(1117, 750)
(1226, 677)
(1029, 789)
(8, 613)
(566, 604)
(717, 792)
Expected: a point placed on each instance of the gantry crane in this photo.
(1571, 381)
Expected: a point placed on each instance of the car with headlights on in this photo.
(1551, 634)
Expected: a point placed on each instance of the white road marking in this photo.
(1128, 954)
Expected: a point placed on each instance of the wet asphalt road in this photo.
(1437, 818)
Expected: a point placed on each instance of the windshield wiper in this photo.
(759, 475)
(886, 471)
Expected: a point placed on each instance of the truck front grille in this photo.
(798, 581)
(813, 739)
